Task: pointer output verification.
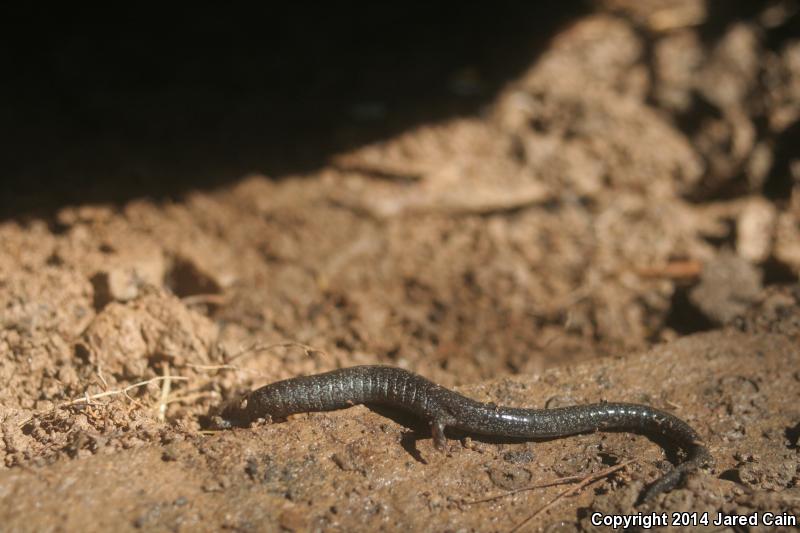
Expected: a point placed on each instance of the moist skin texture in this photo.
(444, 408)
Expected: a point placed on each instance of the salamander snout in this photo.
(234, 414)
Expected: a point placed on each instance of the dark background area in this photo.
(106, 106)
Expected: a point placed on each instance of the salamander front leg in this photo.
(439, 439)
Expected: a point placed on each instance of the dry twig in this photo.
(190, 397)
(585, 482)
(552, 483)
(100, 375)
(267, 347)
(166, 385)
(221, 367)
(195, 299)
(677, 270)
(88, 398)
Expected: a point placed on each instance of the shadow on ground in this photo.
(109, 108)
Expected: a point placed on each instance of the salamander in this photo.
(443, 408)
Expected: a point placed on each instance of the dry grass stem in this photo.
(585, 482)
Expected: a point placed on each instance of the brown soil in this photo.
(564, 247)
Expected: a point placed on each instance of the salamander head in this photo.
(237, 413)
(264, 403)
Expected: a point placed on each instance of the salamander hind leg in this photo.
(439, 438)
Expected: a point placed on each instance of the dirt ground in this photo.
(622, 224)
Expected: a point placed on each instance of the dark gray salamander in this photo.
(444, 408)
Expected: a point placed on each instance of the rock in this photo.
(728, 285)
